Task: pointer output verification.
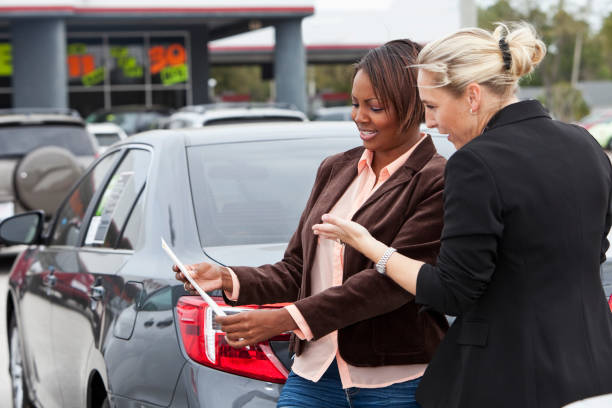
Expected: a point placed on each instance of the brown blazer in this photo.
(378, 322)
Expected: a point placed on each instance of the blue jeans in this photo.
(328, 393)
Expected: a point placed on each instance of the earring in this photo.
(471, 111)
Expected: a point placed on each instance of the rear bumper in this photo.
(201, 386)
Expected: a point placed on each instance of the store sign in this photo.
(6, 60)
(82, 64)
(87, 67)
(170, 63)
(128, 64)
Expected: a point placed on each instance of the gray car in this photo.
(95, 316)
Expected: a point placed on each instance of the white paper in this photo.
(187, 274)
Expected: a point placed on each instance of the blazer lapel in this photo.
(415, 162)
(341, 175)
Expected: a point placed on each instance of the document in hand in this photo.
(214, 306)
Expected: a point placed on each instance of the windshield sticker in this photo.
(106, 209)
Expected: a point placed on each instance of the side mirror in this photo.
(22, 229)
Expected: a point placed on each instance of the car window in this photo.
(132, 231)
(20, 140)
(118, 199)
(107, 139)
(70, 217)
(254, 193)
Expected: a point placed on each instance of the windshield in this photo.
(107, 139)
(254, 192)
(130, 122)
(20, 140)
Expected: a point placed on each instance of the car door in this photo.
(34, 321)
(48, 282)
(80, 319)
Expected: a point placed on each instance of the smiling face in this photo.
(446, 111)
(378, 125)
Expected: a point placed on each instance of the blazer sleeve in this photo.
(281, 281)
(418, 237)
(473, 226)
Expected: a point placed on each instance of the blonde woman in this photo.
(526, 215)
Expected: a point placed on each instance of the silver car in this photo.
(95, 315)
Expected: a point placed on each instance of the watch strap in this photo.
(381, 265)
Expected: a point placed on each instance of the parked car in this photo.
(334, 113)
(596, 116)
(599, 124)
(95, 315)
(42, 153)
(106, 134)
(131, 118)
(228, 113)
(602, 132)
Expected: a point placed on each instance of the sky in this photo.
(338, 22)
(361, 22)
(599, 8)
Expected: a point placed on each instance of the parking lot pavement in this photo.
(5, 384)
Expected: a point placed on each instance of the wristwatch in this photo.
(381, 265)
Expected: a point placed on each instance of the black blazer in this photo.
(526, 215)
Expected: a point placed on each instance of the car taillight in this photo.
(610, 303)
(205, 343)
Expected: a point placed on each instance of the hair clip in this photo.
(505, 49)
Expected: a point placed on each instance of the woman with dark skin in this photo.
(393, 184)
(526, 215)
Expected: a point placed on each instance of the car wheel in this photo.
(16, 371)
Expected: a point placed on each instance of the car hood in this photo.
(247, 255)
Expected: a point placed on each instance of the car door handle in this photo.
(96, 292)
(50, 280)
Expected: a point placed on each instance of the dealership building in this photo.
(90, 54)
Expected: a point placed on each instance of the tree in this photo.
(244, 79)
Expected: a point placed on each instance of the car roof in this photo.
(334, 109)
(36, 119)
(249, 132)
(235, 113)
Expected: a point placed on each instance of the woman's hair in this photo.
(395, 85)
(497, 60)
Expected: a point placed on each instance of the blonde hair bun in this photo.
(525, 48)
(476, 55)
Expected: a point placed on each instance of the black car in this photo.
(95, 315)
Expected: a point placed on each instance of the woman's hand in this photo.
(208, 276)
(346, 231)
(249, 328)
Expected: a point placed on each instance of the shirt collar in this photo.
(387, 171)
(516, 112)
